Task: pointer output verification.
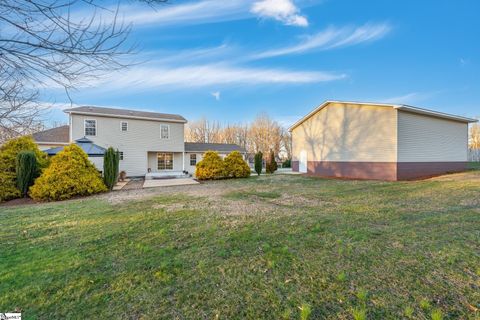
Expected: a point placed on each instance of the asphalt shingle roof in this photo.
(126, 113)
(58, 134)
(219, 147)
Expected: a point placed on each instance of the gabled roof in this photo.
(91, 149)
(58, 134)
(127, 114)
(403, 107)
(219, 147)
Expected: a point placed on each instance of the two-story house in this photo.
(149, 143)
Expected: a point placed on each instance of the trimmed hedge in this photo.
(210, 167)
(8, 163)
(235, 166)
(69, 174)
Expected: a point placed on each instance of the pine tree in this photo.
(258, 162)
(271, 166)
(27, 171)
(110, 167)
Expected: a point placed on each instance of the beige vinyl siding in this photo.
(142, 136)
(153, 162)
(191, 169)
(427, 139)
(348, 132)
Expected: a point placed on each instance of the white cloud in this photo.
(281, 10)
(216, 95)
(155, 77)
(332, 38)
(410, 98)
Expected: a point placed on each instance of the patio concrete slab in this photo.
(168, 182)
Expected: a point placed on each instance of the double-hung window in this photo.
(124, 126)
(164, 131)
(90, 127)
(193, 159)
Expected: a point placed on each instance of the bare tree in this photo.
(264, 135)
(204, 131)
(47, 43)
(474, 142)
(286, 146)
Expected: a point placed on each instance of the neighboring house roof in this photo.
(403, 107)
(91, 149)
(219, 147)
(129, 114)
(55, 135)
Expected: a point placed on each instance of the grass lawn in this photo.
(273, 247)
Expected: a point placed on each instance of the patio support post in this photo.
(183, 161)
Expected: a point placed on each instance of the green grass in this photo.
(269, 247)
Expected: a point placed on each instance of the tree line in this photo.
(263, 134)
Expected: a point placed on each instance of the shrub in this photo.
(210, 167)
(271, 166)
(69, 174)
(27, 171)
(111, 161)
(258, 162)
(287, 163)
(8, 162)
(235, 166)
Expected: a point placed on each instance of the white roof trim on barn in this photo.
(403, 107)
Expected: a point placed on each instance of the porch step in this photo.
(166, 175)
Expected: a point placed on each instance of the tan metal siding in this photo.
(348, 132)
(142, 136)
(427, 139)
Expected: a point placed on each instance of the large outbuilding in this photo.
(379, 141)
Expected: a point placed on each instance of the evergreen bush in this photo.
(8, 159)
(235, 166)
(258, 162)
(111, 161)
(271, 166)
(210, 167)
(70, 174)
(27, 171)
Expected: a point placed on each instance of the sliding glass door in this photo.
(165, 161)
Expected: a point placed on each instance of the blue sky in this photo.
(230, 60)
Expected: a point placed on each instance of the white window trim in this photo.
(190, 159)
(173, 161)
(121, 126)
(168, 130)
(85, 127)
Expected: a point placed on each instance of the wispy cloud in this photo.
(281, 10)
(410, 98)
(146, 78)
(332, 38)
(216, 95)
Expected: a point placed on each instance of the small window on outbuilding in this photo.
(193, 159)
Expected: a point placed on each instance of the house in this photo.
(379, 141)
(149, 143)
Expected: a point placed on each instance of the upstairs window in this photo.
(90, 127)
(124, 126)
(193, 159)
(164, 131)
